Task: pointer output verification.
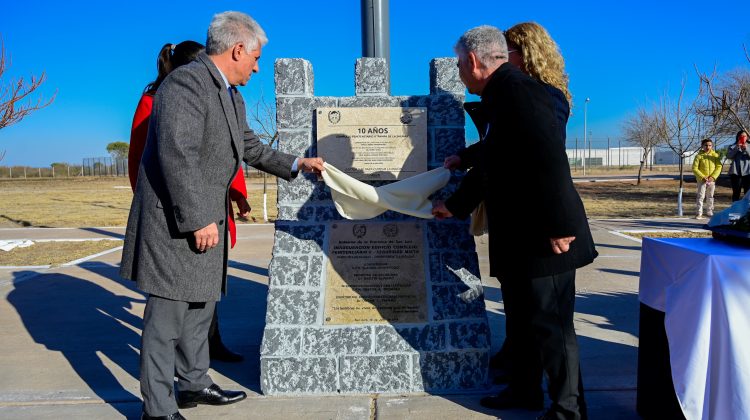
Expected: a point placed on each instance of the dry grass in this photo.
(650, 199)
(79, 202)
(665, 234)
(627, 170)
(54, 253)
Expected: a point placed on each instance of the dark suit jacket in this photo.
(521, 171)
(196, 139)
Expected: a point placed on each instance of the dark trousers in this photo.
(174, 343)
(738, 182)
(539, 323)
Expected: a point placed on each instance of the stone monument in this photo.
(388, 305)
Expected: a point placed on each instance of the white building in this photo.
(622, 156)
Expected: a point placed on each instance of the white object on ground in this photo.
(356, 200)
(7, 245)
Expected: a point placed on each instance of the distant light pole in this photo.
(585, 110)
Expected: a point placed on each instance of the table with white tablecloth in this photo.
(702, 287)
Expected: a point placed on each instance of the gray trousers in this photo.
(174, 343)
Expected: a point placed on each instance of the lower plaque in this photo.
(375, 274)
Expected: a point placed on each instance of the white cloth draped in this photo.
(703, 286)
(356, 200)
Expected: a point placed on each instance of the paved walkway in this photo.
(70, 337)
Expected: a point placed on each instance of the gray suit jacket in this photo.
(196, 137)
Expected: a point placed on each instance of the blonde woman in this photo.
(532, 49)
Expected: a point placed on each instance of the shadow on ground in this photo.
(81, 320)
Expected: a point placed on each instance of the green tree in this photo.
(118, 149)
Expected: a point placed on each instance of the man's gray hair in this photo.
(487, 42)
(229, 28)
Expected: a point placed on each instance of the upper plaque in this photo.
(374, 143)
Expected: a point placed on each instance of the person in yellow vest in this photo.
(706, 167)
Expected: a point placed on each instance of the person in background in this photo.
(539, 266)
(172, 56)
(706, 168)
(739, 169)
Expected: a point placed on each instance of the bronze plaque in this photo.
(374, 143)
(375, 274)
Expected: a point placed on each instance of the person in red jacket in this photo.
(170, 57)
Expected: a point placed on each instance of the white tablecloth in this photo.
(703, 287)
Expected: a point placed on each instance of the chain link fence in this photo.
(593, 153)
(613, 153)
(97, 167)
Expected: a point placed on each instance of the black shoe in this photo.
(213, 395)
(221, 353)
(173, 416)
(507, 399)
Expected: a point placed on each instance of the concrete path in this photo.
(70, 337)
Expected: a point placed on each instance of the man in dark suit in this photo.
(535, 216)
(176, 239)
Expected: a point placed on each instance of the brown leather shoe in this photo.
(213, 395)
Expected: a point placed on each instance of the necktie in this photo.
(231, 97)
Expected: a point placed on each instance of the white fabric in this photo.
(703, 286)
(356, 200)
(736, 210)
(7, 245)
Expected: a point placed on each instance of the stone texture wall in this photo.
(299, 355)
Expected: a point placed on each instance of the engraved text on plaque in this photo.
(374, 143)
(375, 274)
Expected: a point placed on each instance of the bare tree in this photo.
(681, 127)
(263, 122)
(641, 130)
(727, 99)
(15, 100)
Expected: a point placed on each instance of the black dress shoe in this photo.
(173, 416)
(213, 395)
(507, 399)
(221, 353)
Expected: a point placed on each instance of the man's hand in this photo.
(243, 207)
(207, 237)
(452, 162)
(561, 245)
(709, 179)
(440, 211)
(313, 165)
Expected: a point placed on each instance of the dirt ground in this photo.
(90, 201)
(54, 253)
(97, 202)
(650, 199)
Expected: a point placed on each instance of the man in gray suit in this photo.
(176, 239)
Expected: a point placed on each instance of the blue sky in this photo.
(99, 55)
